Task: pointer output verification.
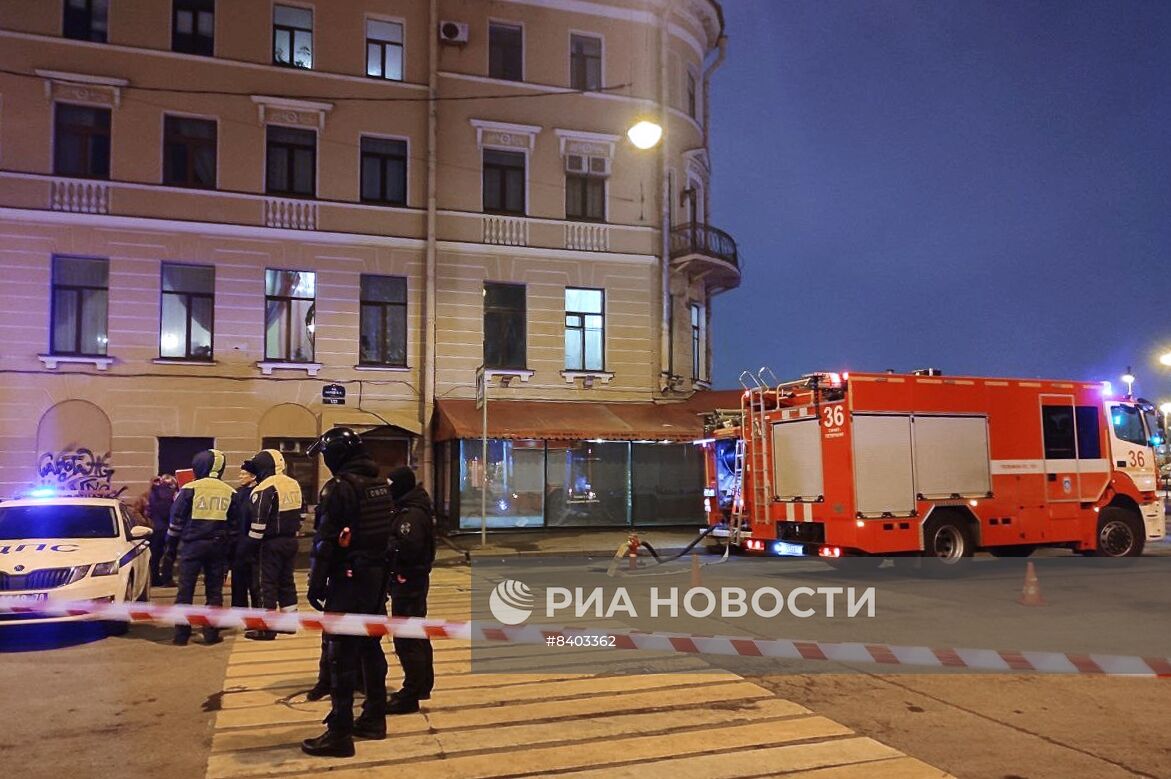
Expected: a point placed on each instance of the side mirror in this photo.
(138, 532)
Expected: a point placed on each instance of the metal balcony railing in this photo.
(695, 238)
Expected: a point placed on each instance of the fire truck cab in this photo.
(885, 465)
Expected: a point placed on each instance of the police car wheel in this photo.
(144, 596)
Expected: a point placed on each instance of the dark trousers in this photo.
(209, 558)
(159, 573)
(277, 557)
(356, 660)
(246, 580)
(414, 654)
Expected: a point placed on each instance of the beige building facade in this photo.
(213, 215)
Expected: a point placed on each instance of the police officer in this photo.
(245, 566)
(204, 518)
(412, 552)
(162, 496)
(349, 574)
(276, 517)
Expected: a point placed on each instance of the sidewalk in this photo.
(576, 542)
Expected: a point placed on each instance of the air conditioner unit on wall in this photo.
(453, 32)
(575, 163)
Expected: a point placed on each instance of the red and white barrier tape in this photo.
(785, 649)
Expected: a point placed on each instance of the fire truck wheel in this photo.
(1120, 533)
(946, 542)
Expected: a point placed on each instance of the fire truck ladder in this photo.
(752, 451)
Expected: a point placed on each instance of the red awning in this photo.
(573, 420)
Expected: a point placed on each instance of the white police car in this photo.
(71, 548)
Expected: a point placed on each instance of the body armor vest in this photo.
(370, 530)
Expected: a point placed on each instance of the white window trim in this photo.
(569, 60)
(523, 47)
(51, 361)
(402, 22)
(386, 137)
(268, 366)
(316, 164)
(163, 146)
(530, 131)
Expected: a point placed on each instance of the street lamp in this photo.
(1128, 380)
(645, 134)
(1165, 359)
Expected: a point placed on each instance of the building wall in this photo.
(140, 223)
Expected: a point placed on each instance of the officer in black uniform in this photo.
(204, 519)
(350, 575)
(245, 561)
(276, 518)
(412, 552)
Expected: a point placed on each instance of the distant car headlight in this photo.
(106, 569)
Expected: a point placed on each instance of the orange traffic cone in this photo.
(1031, 593)
(695, 579)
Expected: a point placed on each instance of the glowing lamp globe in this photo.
(645, 135)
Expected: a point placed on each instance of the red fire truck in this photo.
(883, 465)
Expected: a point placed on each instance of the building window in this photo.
(291, 162)
(585, 329)
(193, 26)
(504, 325)
(587, 483)
(81, 141)
(585, 187)
(696, 341)
(176, 453)
(585, 62)
(86, 20)
(504, 182)
(506, 51)
(384, 50)
(189, 152)
(188, 312)
(80, 301)
(384, 321)
(384, 171)
(292, 36)
(289, 310)
(691, 104)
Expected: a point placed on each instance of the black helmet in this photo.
(338, 446)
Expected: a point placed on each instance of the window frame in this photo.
(288, 317)
(573, 70)
(484, 165)
(584, 180)
(292, 63)
(384, 308)
(690, 91)
(383, 44)
(88, 135)
(190, 141)
(187, 307)
(696, 322)
(524, 329)
(89, 18)
(581, 329)
(520, 27)
(289, 148)
(77, 289)
(383, 157)
(194, 36)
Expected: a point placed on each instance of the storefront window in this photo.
(587, 483)
(516, 471)
(667, 482)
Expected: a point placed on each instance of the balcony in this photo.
(708, 253)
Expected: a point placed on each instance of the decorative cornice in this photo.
(284, 110)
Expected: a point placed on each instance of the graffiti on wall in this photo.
(77, 469)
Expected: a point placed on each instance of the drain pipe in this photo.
(427, 380)
(666, 339)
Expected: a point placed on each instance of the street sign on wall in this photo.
(333, 395)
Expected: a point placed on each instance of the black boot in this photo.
(318, 692)
(260, 635)
(212, 636)
(397, 704)
(329, 744)
(373, 728)
(181, 637)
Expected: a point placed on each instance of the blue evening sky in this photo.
(982, 187)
